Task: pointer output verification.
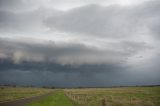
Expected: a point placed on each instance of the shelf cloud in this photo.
(91, 42)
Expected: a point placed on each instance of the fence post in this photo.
(103, 102)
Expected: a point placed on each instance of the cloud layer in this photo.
(96, 40)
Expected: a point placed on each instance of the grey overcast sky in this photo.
(71, 43)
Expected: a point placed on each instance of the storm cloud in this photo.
(79, 43)
(69, 53)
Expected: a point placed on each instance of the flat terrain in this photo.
(22, 102)
(58, 98)
(15, 93)
(123, 96)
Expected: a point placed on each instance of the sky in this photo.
(80, 43)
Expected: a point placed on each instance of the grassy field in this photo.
(58, 98)
(123, 96)
(14, 93)
(129, 96)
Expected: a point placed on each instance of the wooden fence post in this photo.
(103, 102)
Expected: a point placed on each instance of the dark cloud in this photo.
(90, 45)
(25, 69)
(92, 75)
(68, 53)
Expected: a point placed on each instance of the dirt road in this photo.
(22, 102)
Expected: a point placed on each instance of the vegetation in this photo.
(122, 96)
(58, 98)
(14, 93)
(125, 96)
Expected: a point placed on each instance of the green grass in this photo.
(123, 96)
(58, 98)
(14, 93)
(128, 96)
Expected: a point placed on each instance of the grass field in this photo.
(58, 98)
(14, 93)
(123, 96)
(129, 96)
